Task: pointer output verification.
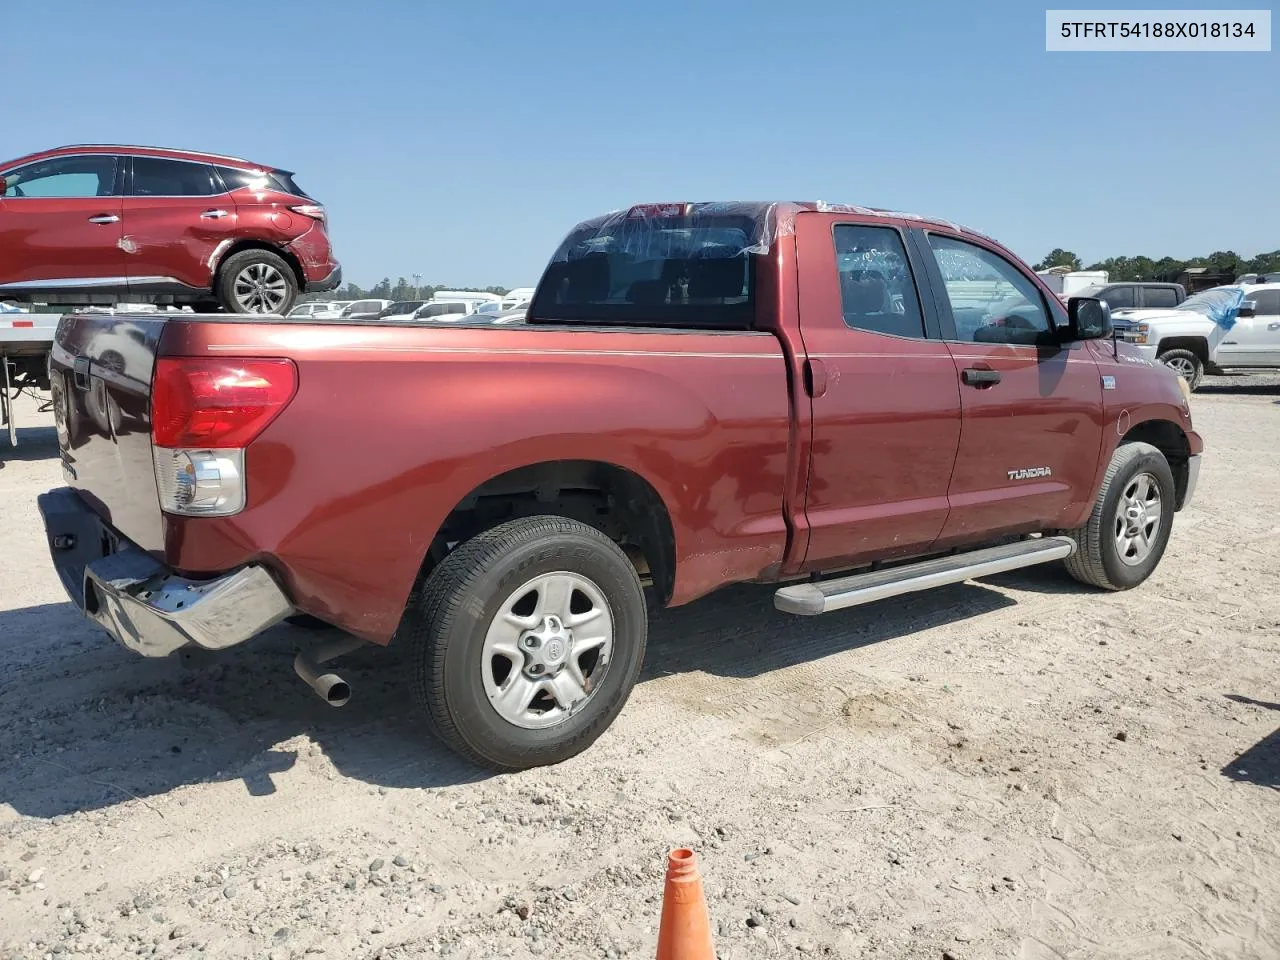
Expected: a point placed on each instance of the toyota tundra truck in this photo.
(847, 403)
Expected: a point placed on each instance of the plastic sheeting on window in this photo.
(1219, 304)
(714, 230)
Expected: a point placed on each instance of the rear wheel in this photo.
(1128, 530)
(1185, 364)
(256, 281)
(527, 642)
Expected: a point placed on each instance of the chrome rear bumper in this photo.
(143, 604)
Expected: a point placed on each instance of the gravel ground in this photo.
(1014, 768)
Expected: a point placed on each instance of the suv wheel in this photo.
(1127, 533)
(1185, 364)
(527, 641)
(256, 281)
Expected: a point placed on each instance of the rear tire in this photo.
(1186, 364)
(527, 641)
(1120, 545)
(256, 282)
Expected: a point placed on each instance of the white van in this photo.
(516, 297)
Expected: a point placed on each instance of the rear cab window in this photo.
(656, 265)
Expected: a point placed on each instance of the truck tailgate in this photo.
(101, 372)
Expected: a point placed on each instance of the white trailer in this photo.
(25, 341)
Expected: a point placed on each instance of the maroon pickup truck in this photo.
(850, 403)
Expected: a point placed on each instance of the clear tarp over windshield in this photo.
(686, 265)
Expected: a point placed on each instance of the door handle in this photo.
(213, 215)
(815, 378)
(977, 377)
(1273, 326)
(105, 218)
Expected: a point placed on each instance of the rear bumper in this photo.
(143, 604)
(331, 282)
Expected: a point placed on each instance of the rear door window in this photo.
(162, 177)
(1159, 297)
(877, 290)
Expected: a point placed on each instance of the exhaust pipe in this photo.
(309, 665)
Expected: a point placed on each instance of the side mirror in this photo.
(1248, 309)
(1089, 319)
(4, 185)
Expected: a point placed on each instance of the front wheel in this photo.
(256, 281)
(1128, 530)
(527, 642)
(1185, 364)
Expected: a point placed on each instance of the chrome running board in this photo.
(811, 599)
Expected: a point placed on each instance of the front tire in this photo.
(527, 641)
(1128, 530)
(1185, 364)
(256, 282)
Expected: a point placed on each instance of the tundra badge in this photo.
(1030, 473)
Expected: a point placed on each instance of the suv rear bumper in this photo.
(332, 282)
(142, 603)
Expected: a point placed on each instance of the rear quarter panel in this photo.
(393, 426)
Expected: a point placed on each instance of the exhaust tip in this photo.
(338, 694)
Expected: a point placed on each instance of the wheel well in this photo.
(1169, 439)
(242, 245)
(615, 501)
(1197, 345)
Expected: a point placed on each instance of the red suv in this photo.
(100, 224)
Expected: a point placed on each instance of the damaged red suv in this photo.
(100, 224)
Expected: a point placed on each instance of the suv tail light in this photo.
(204, 412)
(313, 210)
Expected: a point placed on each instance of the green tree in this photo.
(1058, 258)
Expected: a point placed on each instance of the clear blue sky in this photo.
(462, 140)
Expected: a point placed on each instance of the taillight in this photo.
(312, 210)
(217, 403)
(204, 412)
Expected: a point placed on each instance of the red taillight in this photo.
(199, 402)
(312, 210)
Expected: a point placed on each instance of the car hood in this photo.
(1138, 315)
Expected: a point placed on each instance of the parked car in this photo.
(1137, 295)
(1254, 279)
(95, 224)
(445, 310)
(317, 310)
(501, 496)
(1233, 327)
(401, 308)
(364, 309)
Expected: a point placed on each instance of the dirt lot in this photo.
(1016, 768)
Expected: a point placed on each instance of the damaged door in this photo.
(177, 215)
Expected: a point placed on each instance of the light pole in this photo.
(417, 285)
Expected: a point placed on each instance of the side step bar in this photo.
(811, 599)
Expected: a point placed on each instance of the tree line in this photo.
(1168, 269)
(401, 290)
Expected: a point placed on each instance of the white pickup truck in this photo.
(25, 339)
(1226, 328)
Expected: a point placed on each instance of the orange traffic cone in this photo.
(685, 930)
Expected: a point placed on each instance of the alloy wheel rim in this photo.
(1137, 519)
(547, 650)
(260, 288)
